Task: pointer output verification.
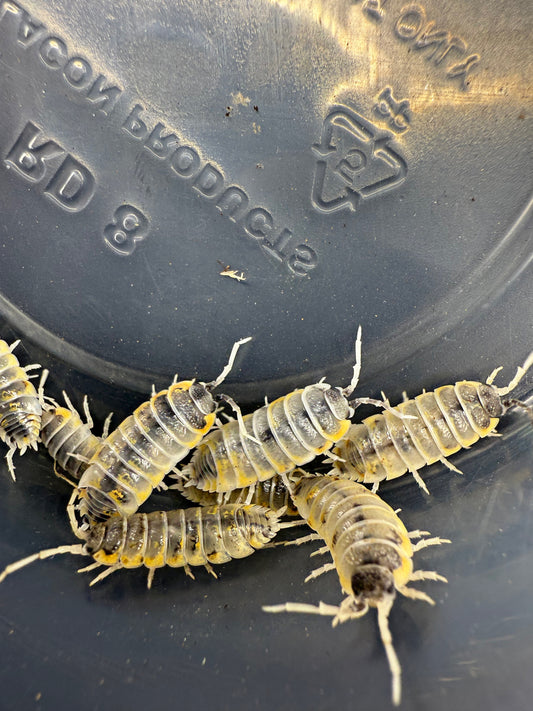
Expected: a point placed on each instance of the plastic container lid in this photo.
(178, 175)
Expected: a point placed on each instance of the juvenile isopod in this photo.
(278, 437)
(371, 550)
(70, 442)
(441, 422)
(180, 539)
(20, 404)
(272, 493)
(135, 458)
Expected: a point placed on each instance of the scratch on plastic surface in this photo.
(484, 524)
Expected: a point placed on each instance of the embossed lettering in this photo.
(72, 186)
(10, 8)
(209, 181)
(452, 43)
(161, 145)
(29, 30)
(129, 226)
(27, 158)
(411, 25)
(104, 98)
(462, 68)
(259, 222)
(53, 52)
(412, 19)
(134, 125)
(303, 260)
(77, 71)
(185, 161)
(276, 248)
(429, 37)
(374, 8)
(233, 202)
(398, 112)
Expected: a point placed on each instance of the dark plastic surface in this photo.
(383, 169)
(434, 262)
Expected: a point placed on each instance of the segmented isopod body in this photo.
(179, 539)
(371, 550)
(135, 458)
(289, 432)
(442, 422)
(20, 407)
(70, 441)
(286, 433)
(271, 493)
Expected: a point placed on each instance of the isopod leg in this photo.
(59, 475)
(450, 465)
(326, 568)
(87, 412)
(88, 568)
(77, 530)
(427, 575)
(250, 495)
(320, 551)
(415, 594)
(105, 573)
(416, 534)
(9, 460)
(210, 570)
(436, 541)
(419, 481)
(188, 571)
(107, 424)
(300, 541)
(40, 390)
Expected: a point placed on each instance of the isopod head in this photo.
(490, 400)
(202, 398)
(338, 403)
(373, 585)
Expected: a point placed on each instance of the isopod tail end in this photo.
(384, 609)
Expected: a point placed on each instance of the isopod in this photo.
(371, 550)
(135, 458)
(278, 437)
(20, 404)
(70, 441)
(442, 422)
(180, 539)
(272, 493)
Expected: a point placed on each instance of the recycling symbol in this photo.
(355, 161)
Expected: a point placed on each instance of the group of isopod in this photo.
(245, 473)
